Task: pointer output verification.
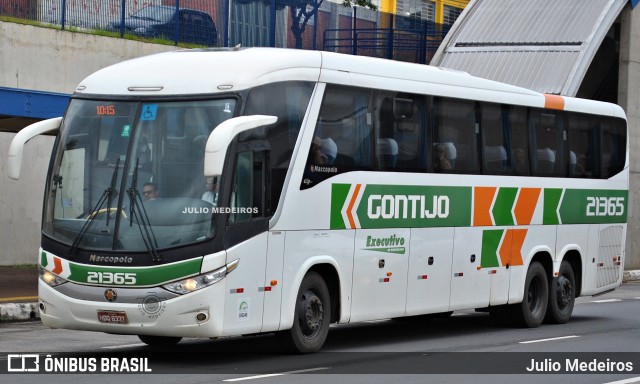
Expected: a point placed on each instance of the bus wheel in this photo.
(311, 318)
(530, 313)
(159, 341)
(562, 295)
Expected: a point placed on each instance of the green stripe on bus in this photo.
(551, 201)
(415, 206)
(147, 276)
(593, 206)
(402, 206)
(490, 243)
(504, 205)
(339, 193)
(43, 259)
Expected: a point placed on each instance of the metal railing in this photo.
(225, 23)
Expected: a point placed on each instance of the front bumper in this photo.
(172, 317)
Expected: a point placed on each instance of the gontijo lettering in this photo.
(407, 206)
(399, 206)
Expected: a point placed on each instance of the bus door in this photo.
(381, 260)
(429, 281)
(470, 283)
(248, 239)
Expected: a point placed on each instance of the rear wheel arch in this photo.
(330, 276)
(574, 258)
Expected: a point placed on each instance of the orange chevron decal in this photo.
(511, 248)
(356, 192)
(57, 269)
(482, 199)
(505, 250)
(526, 205)
(517, 240)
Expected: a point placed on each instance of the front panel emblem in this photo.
(111, 294)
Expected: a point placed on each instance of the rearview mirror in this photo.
(223, 134)
(14, 160)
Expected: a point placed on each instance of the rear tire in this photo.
(562, 295)
(159, 341)
(311, 317)
(531, 312)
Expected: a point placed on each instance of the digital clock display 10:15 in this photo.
(109, 110)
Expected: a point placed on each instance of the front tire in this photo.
(562, 295)
(311, 318)
(531, 312)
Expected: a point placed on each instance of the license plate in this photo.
(113, 317)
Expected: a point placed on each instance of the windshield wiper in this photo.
(107, 196)
(136, 208)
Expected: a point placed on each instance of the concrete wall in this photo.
(46, 60)
(629, 99)
(21, 201)
(56, 61)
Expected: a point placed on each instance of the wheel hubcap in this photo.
(564, 292)
(312, 314)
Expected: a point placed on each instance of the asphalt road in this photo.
(465, 348)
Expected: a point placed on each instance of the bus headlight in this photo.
(49, 278)
(195, 283)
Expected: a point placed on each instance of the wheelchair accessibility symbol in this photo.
(149, 112)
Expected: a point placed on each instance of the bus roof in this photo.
(210, 71)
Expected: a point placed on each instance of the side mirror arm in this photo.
(223, 134)
(14, 160)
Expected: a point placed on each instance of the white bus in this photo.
(210, 193)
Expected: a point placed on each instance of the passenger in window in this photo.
(520, 161)
(211, 193)
(440, 161)
(150, 191)
(323, 151)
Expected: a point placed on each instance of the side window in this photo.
(614, 147)
(288, 101)
(583, 136)
(494, 140)
(454, 147)
(515, 120)
(343, 139)
(250, 183)
(548, 143)
(505, 143)
(401, 132)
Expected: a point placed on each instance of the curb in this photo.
(631, 276)
(19, 311)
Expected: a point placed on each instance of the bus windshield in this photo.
(129, 175)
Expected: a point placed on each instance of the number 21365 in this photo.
(605, 206)
(119, 278)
